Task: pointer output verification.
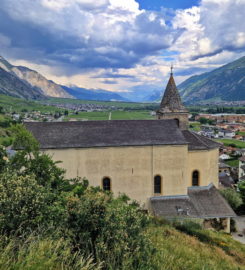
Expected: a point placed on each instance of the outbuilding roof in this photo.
(200, 202)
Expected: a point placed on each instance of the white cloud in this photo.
(80, 39)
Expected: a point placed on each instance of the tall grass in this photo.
(42, 254)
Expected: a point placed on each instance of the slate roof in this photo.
(223, 165)
(171, 101)
(200, 202)
(243, 167)
(226, 180)
(242, 178)
(199, 142)
(84, 134)
(242, 158)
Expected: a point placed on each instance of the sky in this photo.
(121, 45)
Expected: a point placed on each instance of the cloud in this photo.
(213, 27)
(109, 81)
(114, 42)
(84, 34)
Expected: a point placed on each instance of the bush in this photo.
(233, 197)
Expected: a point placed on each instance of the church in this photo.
(171, 171)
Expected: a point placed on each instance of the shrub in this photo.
(233, 197)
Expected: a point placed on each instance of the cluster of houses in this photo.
(82, 107)
(223, 118)
(229, 176)
(227, 130)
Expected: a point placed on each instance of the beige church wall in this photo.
(206, 162)
(131, 169)
(170, 162)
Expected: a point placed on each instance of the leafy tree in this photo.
(203, 120)
(241, 187)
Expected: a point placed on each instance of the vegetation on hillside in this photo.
(50, 222)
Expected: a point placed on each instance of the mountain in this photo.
(93, 94)
(226, 83)
(12, 86)
(154, 96)
(23, 82)
(143, 93)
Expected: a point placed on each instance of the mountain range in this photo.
(93, 94)
(226, 83)
(22, 82)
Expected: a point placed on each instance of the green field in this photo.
(11, 104)
(195, 126)
(242, 133)
(227, 142)
(233, 162)
(115, 115)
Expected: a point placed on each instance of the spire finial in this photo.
(172, 67)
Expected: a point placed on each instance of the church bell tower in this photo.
(171, 106)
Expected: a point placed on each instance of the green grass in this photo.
(177, 250)
(233, 162)
(226, 142)
(195, 126)
(242, 133)
(115, 115)
(11, 104)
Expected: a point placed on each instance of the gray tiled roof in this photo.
(200, 202)
(199, 142)
(85, 134)
(171, 101)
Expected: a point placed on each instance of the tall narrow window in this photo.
(157, 184)
(177, 121)
(195, 178)
(106, 183)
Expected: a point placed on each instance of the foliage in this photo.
(25, 205)
(50, 222)
(42, 253)
(179, 250)
(233, 197)
(204, 121)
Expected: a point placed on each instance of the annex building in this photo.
(169, 170)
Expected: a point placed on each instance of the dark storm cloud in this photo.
(81, 35)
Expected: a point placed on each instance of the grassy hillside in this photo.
(207, 250)
(224, 83)
(174, 250)
(12, 104)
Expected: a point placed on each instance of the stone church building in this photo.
(169, 170)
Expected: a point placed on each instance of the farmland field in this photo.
(226, 142)
(115, 115)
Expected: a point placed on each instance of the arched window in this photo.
(195, 178)
(157, 184)
(106, 183)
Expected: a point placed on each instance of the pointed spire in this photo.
(171, 101)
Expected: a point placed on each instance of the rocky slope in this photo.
(226, 83)
(23, 82)
(12, 86)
